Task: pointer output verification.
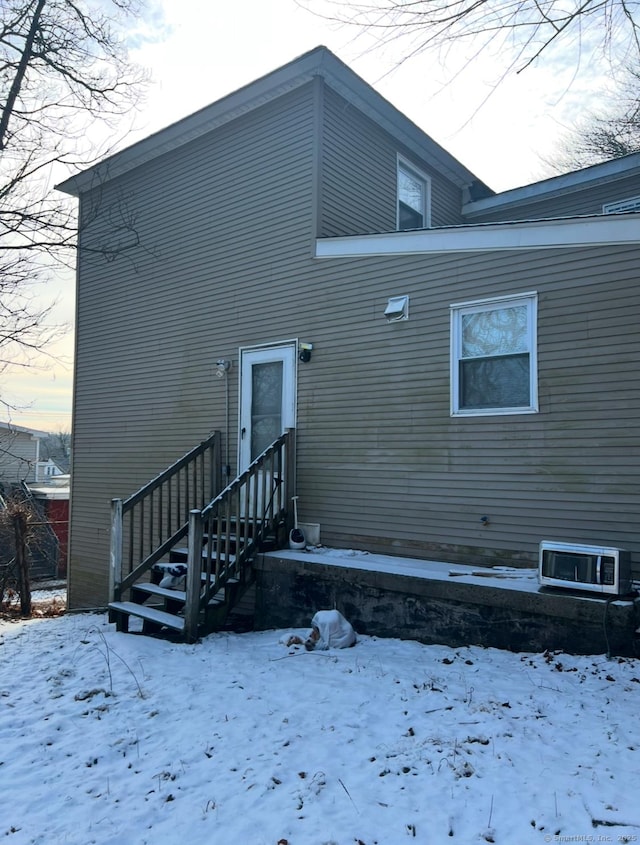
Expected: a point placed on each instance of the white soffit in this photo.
(542, 234)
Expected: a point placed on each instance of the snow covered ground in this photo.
(119, 739)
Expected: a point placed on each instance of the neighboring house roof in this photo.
(49, 464)
(317, 62)
(557, 186)
(49, 451)
(7, 426)
(48, 461)
(57, 487)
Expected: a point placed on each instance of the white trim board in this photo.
(487, 237)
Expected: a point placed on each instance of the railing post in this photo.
(217, 473)
(290, 473)
(115, 567)
(194, 565)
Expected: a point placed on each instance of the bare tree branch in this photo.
(601, 135)
(64, 69)
(523, 29)
(21, 70)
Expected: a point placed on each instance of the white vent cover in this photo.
(397, 309)
(631, 204)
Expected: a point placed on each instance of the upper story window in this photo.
(494, 356)
(414, 197)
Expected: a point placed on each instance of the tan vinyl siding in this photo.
(225, 232)
(410, 478)
(226, 228)
(359, 175)
(383, 466)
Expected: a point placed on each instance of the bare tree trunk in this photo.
(63, 66)
(22, 562)
(16, 85)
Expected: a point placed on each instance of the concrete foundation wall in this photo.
(450, 611)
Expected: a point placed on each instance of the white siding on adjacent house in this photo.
(18, 456)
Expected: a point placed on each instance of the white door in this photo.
(267, 398)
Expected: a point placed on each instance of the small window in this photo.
(413, 197)
(493, 356)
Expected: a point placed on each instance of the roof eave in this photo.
(588, 177)
(23, 430)
(317, 62)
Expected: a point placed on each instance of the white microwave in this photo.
(597, 569)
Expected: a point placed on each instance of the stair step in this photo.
(161, 567)
(179, 595)
(156, 590)
(243, 522)
(183, 552)
(150, 614)
(175, 595)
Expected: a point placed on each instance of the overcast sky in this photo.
(501, 129)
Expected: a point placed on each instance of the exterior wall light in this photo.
(222, 367)
(304, 352)
(397, 309)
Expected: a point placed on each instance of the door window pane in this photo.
(266, 405)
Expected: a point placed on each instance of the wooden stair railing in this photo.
(224, 535)
(149, 523)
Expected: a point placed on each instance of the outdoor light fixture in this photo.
(397, 309)
(304, 352)
(222, 367)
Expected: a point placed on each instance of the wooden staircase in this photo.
(162, 608)
(223, 537)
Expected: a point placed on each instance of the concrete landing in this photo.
(436, 602)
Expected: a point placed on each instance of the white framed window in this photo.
(414, 197)
(494, 356)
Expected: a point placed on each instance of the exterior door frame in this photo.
(285, 351)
